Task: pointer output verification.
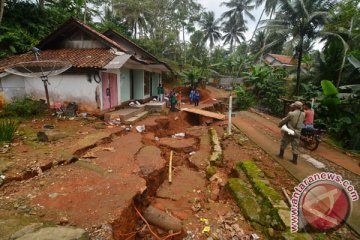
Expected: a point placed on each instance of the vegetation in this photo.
(23, 108)
(8, 128)
(217, 47)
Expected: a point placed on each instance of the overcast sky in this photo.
(214, 5)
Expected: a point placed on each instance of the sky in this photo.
(215, 6)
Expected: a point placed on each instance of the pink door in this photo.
(109, 90)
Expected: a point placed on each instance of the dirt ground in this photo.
(97, 176)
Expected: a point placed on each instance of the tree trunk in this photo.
(344, 57)
(183, 32)
(265, 39)
(298, 70)
(257, 25)
(2, 5)
(85, 10)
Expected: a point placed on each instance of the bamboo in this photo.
(170, 166)
(286, 196)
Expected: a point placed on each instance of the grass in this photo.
(8, 127)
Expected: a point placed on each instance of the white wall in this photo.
(67, 88)
(13, 87)
(155, 83)
(125, 84)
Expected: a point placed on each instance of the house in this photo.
(279, 60)
(228, 82)
(107, 70)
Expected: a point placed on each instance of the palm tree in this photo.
(269, 8)
(136, 14)
(210, 27)
(237, 10)
(233, 32)
(300, 21)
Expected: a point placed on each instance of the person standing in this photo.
(294, 121)
(173, 101)
(192, 95)
(179, 99)
(160, 91)
(309, 116)
(197, 98)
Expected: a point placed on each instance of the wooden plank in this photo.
(204, 113)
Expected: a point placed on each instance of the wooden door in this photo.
(109, 90)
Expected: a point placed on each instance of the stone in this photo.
(27, 229)
(56, 233)
(245, 199)
(51, 135)
(285, 217)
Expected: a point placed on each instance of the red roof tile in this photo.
(284, 59)
(78, 57)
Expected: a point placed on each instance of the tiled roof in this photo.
(78, 57)
(284, 59)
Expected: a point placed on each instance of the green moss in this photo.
(210, 171)
(245, 200)
(266, 191)
(296, 236)
(251, 170)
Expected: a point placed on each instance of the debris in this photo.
(140, 128)
(178, 135)
(204, 220)
(83, 114)
(192, 153)
(131, 104)
(162, 219)
(196, 207)
(157, 138)
(138, 103)
(254, 236)
(89, 155)
(2, 177)
(110, 149)
(206, 229)
(176, 118)
(64, 220)
(48, 126)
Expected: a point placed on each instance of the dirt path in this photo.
(263, 131)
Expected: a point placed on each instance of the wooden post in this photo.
(230, 113)
(170, 167)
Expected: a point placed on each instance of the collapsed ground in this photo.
(98, 176)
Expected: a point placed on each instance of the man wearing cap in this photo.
(294, 121)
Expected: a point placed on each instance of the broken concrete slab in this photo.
(177, 144)
(149, 160)
(27, 229)
(57, 233)
(50, 135)
(184, 183)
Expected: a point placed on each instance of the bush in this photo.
(244, 100)
(8, 128)
(24, 107)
